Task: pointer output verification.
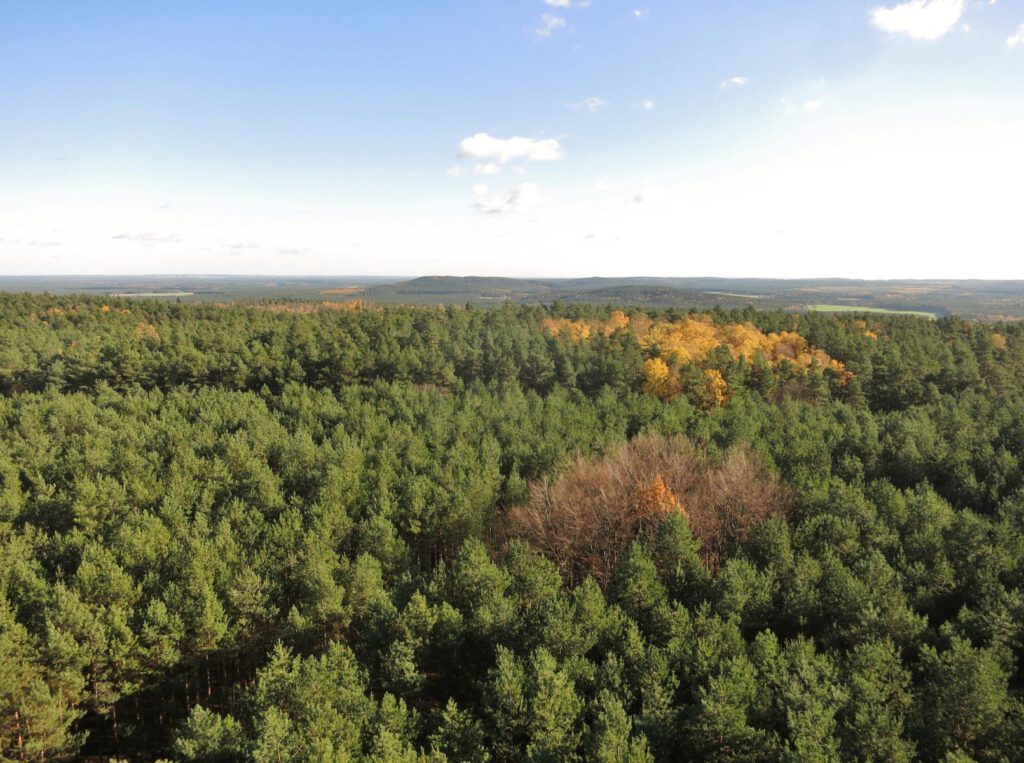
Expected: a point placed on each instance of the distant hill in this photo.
(656, 296)
(453, 285)
(988, 300)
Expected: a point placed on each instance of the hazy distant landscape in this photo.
(974, 299)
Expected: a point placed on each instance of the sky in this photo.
(834, 138)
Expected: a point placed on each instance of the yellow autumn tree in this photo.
(659, 379)
(716, 389)
(619, 320)
(580, 330)
(576, 331)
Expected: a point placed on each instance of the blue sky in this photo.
(517, 137)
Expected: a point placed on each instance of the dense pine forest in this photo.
(274, 532)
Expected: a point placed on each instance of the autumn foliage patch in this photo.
(585, 518)
(692, 340)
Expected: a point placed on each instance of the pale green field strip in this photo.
(855, 309)
(152, 294)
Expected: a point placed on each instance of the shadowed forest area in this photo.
(527, 532)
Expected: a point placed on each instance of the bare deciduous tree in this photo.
(585, 518)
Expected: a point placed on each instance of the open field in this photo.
(855, 309)
(147, 294)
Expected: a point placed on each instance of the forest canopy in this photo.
(262, 532)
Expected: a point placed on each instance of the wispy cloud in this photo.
(642, 14)
(591, 104)
(732, 82)
(548, 24)
(487, 148)
(919, 19)
(1016, 39)
(525, 196)
(803, 107)
(647, 104)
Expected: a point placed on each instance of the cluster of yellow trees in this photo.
(662, 381)
(579, 330)
(75, 309)
(122, 311)
(692, 340)
(863, 326)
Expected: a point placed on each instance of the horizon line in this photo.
(398, 278)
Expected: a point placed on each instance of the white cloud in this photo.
(735, 82)
(490, 168)
(647, 104)
(803, 107)
(641, 13)
(568, 3)
(455, 171)
(1016, 39)
(591, 104)
(489, 149)
(525, 196)
(548, 24)
(919, 19)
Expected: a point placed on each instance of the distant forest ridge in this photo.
(976, 299)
